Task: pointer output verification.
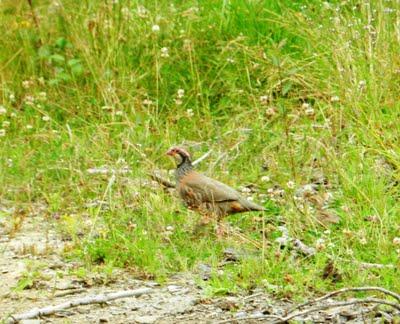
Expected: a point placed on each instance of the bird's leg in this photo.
(220, 228)
(205, 219)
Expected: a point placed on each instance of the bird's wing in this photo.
(208, 189)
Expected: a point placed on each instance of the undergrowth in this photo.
(298, 101)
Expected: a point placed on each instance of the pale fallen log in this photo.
(295, 312)
(96, 299)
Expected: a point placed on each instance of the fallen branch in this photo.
(340, 304)
(201, 158)
(343, 290)
(161, 180)
(97, 299)
(368, 265)
(291, 314)
(279, 319)
(70, 292)
(252, 317)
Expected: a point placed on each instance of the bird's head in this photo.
(179, 154)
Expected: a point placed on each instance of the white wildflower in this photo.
(309, 111)
(147, 102)
(335, 98)
(11, 97)
(126, 13)
(189, 113)
(290, 184)
(29, 126)
(263, 99)
(141, 11)
(265, 179)
(42, 96)
(164, 52)
(26, 84)
(2, 132)
(396, 241)
(29, 100)
(363, 241)
(3, 110)
(155, 28)
(46, 118)
(181, 93)
(119, 113)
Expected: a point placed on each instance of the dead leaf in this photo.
(331, 272)
(327, 217)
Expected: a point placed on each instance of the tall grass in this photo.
(301, 94)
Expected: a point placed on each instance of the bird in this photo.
(211, 198)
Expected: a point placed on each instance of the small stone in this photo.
(152, 284)
(257, 314)
(65, 285)
(228, 304)
(240, 314)
(146, 319)
(231, 254)
(204, 270)
(174, 288)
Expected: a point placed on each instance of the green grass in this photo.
(104, 93)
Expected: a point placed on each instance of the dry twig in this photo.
(340, 304)
(343, 290)
(69, 292)
(291, 314)
(201, 158)
(165, 182)
(97, 299)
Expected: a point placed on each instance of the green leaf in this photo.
(53, 82)
(61, 43)
(57, 58)
(275, 60)
(73, 62)
(44, 52)
(77, 69)
(24, 283)
(286, 88)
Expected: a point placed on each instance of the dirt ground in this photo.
(32, 257)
